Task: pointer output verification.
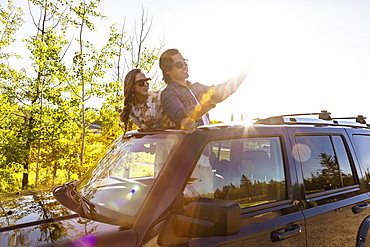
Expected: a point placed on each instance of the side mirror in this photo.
(63, 195)
(208, 217)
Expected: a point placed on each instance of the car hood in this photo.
(34, 218)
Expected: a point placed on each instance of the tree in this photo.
(44, 108)
(10, 120)
(11, 19)
(143, 56)
(11, 149)
(88, 64)
(46, 128)
(326, 178)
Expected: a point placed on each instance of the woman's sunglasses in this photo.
(142, 82)
(181, 64)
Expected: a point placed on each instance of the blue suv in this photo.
(290, 180)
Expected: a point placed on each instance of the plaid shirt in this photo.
(179, 103)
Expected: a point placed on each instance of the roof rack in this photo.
(324, 118)
(359, 119)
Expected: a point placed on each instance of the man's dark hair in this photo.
(166, 63)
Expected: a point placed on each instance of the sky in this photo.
(305, 55)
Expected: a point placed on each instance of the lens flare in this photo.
(122, 200)
(207, 96)
(87, 241)
(301, 152)
(128, 196)
(197, 108)
(132, 192)
(188, 125)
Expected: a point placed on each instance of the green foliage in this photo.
(12, 144)
(215, 122)
(45, 139)
(11, 20)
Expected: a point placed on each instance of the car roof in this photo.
(323, 119)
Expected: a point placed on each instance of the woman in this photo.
(140, 104)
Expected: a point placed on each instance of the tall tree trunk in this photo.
(82, 151)
(25, 176)
(29, 126)
(38, 163)
(26, 167)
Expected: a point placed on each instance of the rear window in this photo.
(325, 163)
(363, 150)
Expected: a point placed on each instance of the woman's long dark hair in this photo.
(166, 63)
(128, 91)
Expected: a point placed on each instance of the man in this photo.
(187, 104)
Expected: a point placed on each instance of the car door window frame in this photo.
(322, 194)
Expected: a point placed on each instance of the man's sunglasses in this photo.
(181, 64)
(142, 82)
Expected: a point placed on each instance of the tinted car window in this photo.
(220, 150)
(118, 184)
(344, 162)
(249, 171)
(363, 144)
(325, 163)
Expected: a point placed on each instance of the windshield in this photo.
(117, 186)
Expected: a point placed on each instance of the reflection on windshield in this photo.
(122, 179)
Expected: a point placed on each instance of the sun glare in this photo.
(294, 55)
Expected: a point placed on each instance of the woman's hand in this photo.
(148, 120)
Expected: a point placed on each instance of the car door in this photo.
(333, 190)
(360, 139)
(252, 168)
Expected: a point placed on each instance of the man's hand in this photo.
(220, 95)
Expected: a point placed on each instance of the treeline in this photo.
(48, 134)
(251, 192)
